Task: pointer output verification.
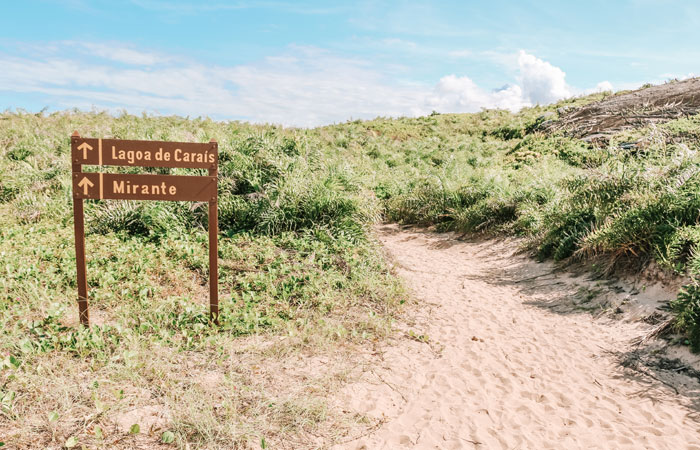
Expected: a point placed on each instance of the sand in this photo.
(498, 356)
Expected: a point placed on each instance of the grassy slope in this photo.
(296, 258)
(295, 262)
(494, 171)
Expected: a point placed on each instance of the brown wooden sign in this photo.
(143, 187)
(116, 152)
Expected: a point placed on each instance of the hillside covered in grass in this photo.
(297, 256)
(295, 262)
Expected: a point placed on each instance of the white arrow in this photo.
(85, 184)
(84, 147)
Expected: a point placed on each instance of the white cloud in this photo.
(460, 53)
(461, 94)
(396, 42)
(671, 76)
(541, 82)
(305, 87)
(195, 7)
(302, 87)
(604, 86)
(121, 54)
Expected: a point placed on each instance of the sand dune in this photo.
(494, 365)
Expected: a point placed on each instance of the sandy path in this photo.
(504, 368)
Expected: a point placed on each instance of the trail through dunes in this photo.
(501, 356)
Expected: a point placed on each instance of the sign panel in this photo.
(143, 187)
(116, 152)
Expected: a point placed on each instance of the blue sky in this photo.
(308, 63)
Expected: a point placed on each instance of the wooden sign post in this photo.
(116, 152)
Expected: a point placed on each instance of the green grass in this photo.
(299, 271)
(495, 172)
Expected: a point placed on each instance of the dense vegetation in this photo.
(297, 258)
(634, 199)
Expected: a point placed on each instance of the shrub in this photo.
(683, 252)
(687, 306)
(143, 219)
